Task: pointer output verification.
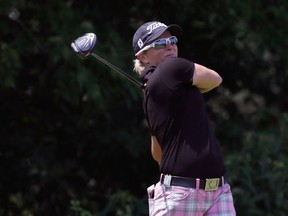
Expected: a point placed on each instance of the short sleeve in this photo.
(178, 69)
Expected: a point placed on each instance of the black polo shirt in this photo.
(176, 115)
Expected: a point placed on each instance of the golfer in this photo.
(192, 173)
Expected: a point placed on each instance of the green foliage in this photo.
(257, 171)
(73, 140)
(122, 203)
(78, 210)
(9, 65)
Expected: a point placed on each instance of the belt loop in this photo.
(197, 183)
(223, 181)
(167, 180)
(161, 177)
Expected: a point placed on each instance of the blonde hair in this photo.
(139, 67)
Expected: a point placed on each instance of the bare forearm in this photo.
(156, 150)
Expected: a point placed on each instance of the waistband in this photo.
(209, 184)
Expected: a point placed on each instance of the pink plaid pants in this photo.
(183, 201)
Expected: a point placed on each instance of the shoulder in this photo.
(177, 60)
(180, 66)
(177, 64)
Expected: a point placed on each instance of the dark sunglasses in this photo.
(159, 44)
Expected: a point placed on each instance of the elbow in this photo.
(214, 83)
(218, 81)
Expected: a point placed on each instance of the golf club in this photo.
(83, 47)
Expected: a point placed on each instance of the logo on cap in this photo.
(140, 43)
(154, 25)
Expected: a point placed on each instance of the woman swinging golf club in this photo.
(192, 171)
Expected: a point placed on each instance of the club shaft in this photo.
(117, 70)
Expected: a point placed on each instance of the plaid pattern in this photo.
(183, 201)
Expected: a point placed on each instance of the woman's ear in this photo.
(143, 58)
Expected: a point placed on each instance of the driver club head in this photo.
(83, 45)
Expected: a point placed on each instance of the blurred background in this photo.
(73, 138)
